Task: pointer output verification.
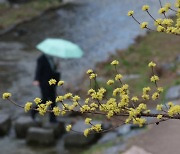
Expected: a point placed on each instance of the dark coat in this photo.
(44, 71)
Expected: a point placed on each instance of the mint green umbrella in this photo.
(60, 48)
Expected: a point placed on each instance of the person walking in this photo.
(46, 70)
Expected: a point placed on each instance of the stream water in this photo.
(99, 27)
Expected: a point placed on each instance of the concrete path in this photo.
(160, 139)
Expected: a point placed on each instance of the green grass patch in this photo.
(11, 15)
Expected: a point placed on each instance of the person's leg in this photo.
(52, 117)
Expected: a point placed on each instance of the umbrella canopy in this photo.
(60, 48)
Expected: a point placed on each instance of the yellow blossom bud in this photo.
(162, 10)
(134, 99)
(60, 83)
(144, 25)
(6, 95)
(154, 78)
(27, 106)
(68, 96)
(37, 100)
(118, 77)
(110, 82)
(59, 98)
(114, 62)
(145, 7)
(52, 82)
(160, 89)
(92, 76)
(155, 96)
(159, 107)
(88, 120)
(152, 64)
(89, 71)
(159, 116)
(86, 132)
(76, 98)
(48, 103)
(56, 111)
(68, 128)
(130, 13)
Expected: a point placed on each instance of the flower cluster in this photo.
(162, 24)
(120, 103)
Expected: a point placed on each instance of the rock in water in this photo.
(22, 125)
(40, 136)
(58, 128)
(5, 124)
(73, 139)
(173, 93)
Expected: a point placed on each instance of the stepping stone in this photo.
(72, 139)
(108, 137)
(22, 125)
(40, 136)
(136, 150)
(5, 124)
(173, 93)
(58, 128)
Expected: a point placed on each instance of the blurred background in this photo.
(102, 29)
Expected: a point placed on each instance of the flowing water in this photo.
(99, 27)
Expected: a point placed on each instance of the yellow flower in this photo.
(146, 90)
(159, 116)
(134, 99)
(60, 83)
(159, 107)
(162, 10)
(48, 103)
(115, 62)
(118, 77)
(154, 78)
(52, 82)
(160, 28)
(110, 82)
(139, 121)
(167, 6)
(144, 25)
(88, 120)
(27, 106)
(170, 104)
(130, 13)
(37, 100)
(68, 128)
(155, 96)
(97, 127)
(152, 64)
(89, 71)
(56, 111)
(59, 98)
(86, 132)
(145, 7)
(63, 112)
(6, 95)
(92, 76)
(68, 96)
(145, 97)
(90, 91)
(76, 98)
(86, 100)
(42, 108)
(160, 89)
(167, 22)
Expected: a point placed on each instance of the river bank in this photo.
(18, 13)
